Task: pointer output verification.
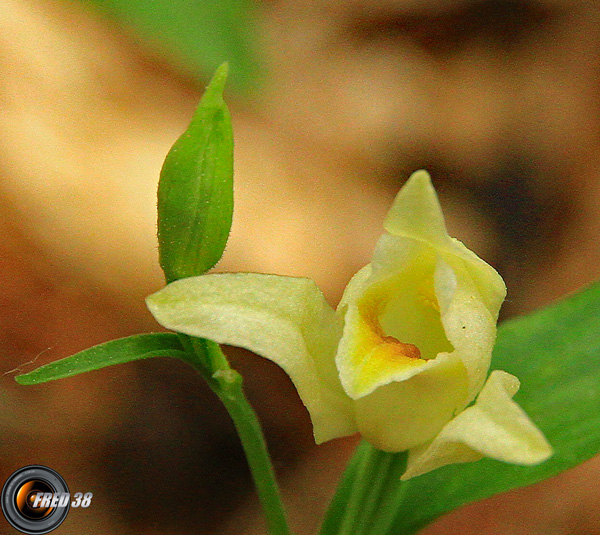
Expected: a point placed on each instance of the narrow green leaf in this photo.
(195, 192)
(137, 347)
(554, 352)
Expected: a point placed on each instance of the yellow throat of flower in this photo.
(376, 354)
(397, 329)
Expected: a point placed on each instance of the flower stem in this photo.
(381, 506)
(364, 503)
(380, 468)
(208, 359)
(360, 491)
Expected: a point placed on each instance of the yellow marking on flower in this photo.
(376, 354)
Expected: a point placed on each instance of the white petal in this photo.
(468, 323)
(494, 427)
(284, 319)
(402, 415)
(416, 212)
(355, 287)
(486, 279)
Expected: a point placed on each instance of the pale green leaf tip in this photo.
(26, 379)
(213, 95)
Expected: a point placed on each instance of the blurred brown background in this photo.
(499, 99)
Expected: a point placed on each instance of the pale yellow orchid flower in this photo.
(401, 359)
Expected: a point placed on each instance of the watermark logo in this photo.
(35, 500)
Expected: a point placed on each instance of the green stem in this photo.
(249, 430)
(360, 490)
(364, 503)
(227, 384)
(391, 494)
(371, 501)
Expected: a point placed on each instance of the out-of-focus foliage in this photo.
(195, 35)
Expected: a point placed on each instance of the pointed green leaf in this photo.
(554, 352)
(195, 192)
(137, 347)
